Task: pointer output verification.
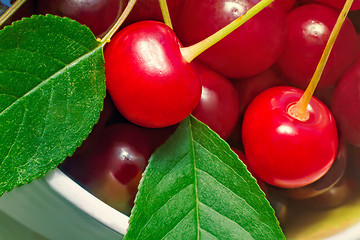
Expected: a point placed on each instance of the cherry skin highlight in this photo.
(150, 82)
(282, 150)
(219, 105)
(309, 28)
(247, 51)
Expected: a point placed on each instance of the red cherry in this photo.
(346, 105)
(309, 28)
(247, 51)
(150, 82)
(285, 5)
(282, 150)
(219, 104)
(334, 3)
(150, 10)
(249, 88)
(98, 15)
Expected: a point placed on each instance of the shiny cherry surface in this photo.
(219, 105)
(150, 82)
(98, 15)
(282, 150)
(309, 28)
(346, 105)
(247, 51)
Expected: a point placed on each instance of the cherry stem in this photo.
(191, 52)
(118, 23)
(165, 13)
(10, 11)
(299, 110)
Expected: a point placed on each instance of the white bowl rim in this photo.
(85, 201)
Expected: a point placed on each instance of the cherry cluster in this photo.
(243, 88)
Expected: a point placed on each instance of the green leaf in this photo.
(195, 187)
(52, 86)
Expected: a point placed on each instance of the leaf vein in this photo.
(195, 183)
(157, 210)
(182, 219)
(53, 76)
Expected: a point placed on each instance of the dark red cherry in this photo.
(309, 27)
(346, 105)
(282, 150)
(98, 15)
(285, 5)
(121, 150)
(219, 104)
(334, 3)
(150, 10)
(247, 51)
(150, 82)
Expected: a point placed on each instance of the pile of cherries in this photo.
(242, 88)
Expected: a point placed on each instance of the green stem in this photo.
(11, 10)
(118, 23)
(191, 52)
(165, 13)
(299, 110)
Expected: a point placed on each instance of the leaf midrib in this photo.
(45, 81)
(195, 182)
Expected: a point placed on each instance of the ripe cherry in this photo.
(219, 104)
(282, 150)
(334, 3)
(150, 10)
(151, 83)
(309, 28)
(247, 51)
(112, 164)
(346, 105)
(249, 88)
(148, 73)
(98, 15)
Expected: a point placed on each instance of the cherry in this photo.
(219, 104)
(283, 150)
(335, 3)
(249, 88)
(121, 150)
(149, 80)
(309, 27)
(285, 5)
(148, 73)
(98, 15)
(346, 105)
(150, 10)
(249, 50)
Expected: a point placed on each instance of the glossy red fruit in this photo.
(150, 82)
(249, 88)
(219, 105)
(247, 51)
(150, 10)
(334, 3)
(309, 28)
(282, 150)
(346, 105)
(285, 5)
(121, 150)
(98, 15)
